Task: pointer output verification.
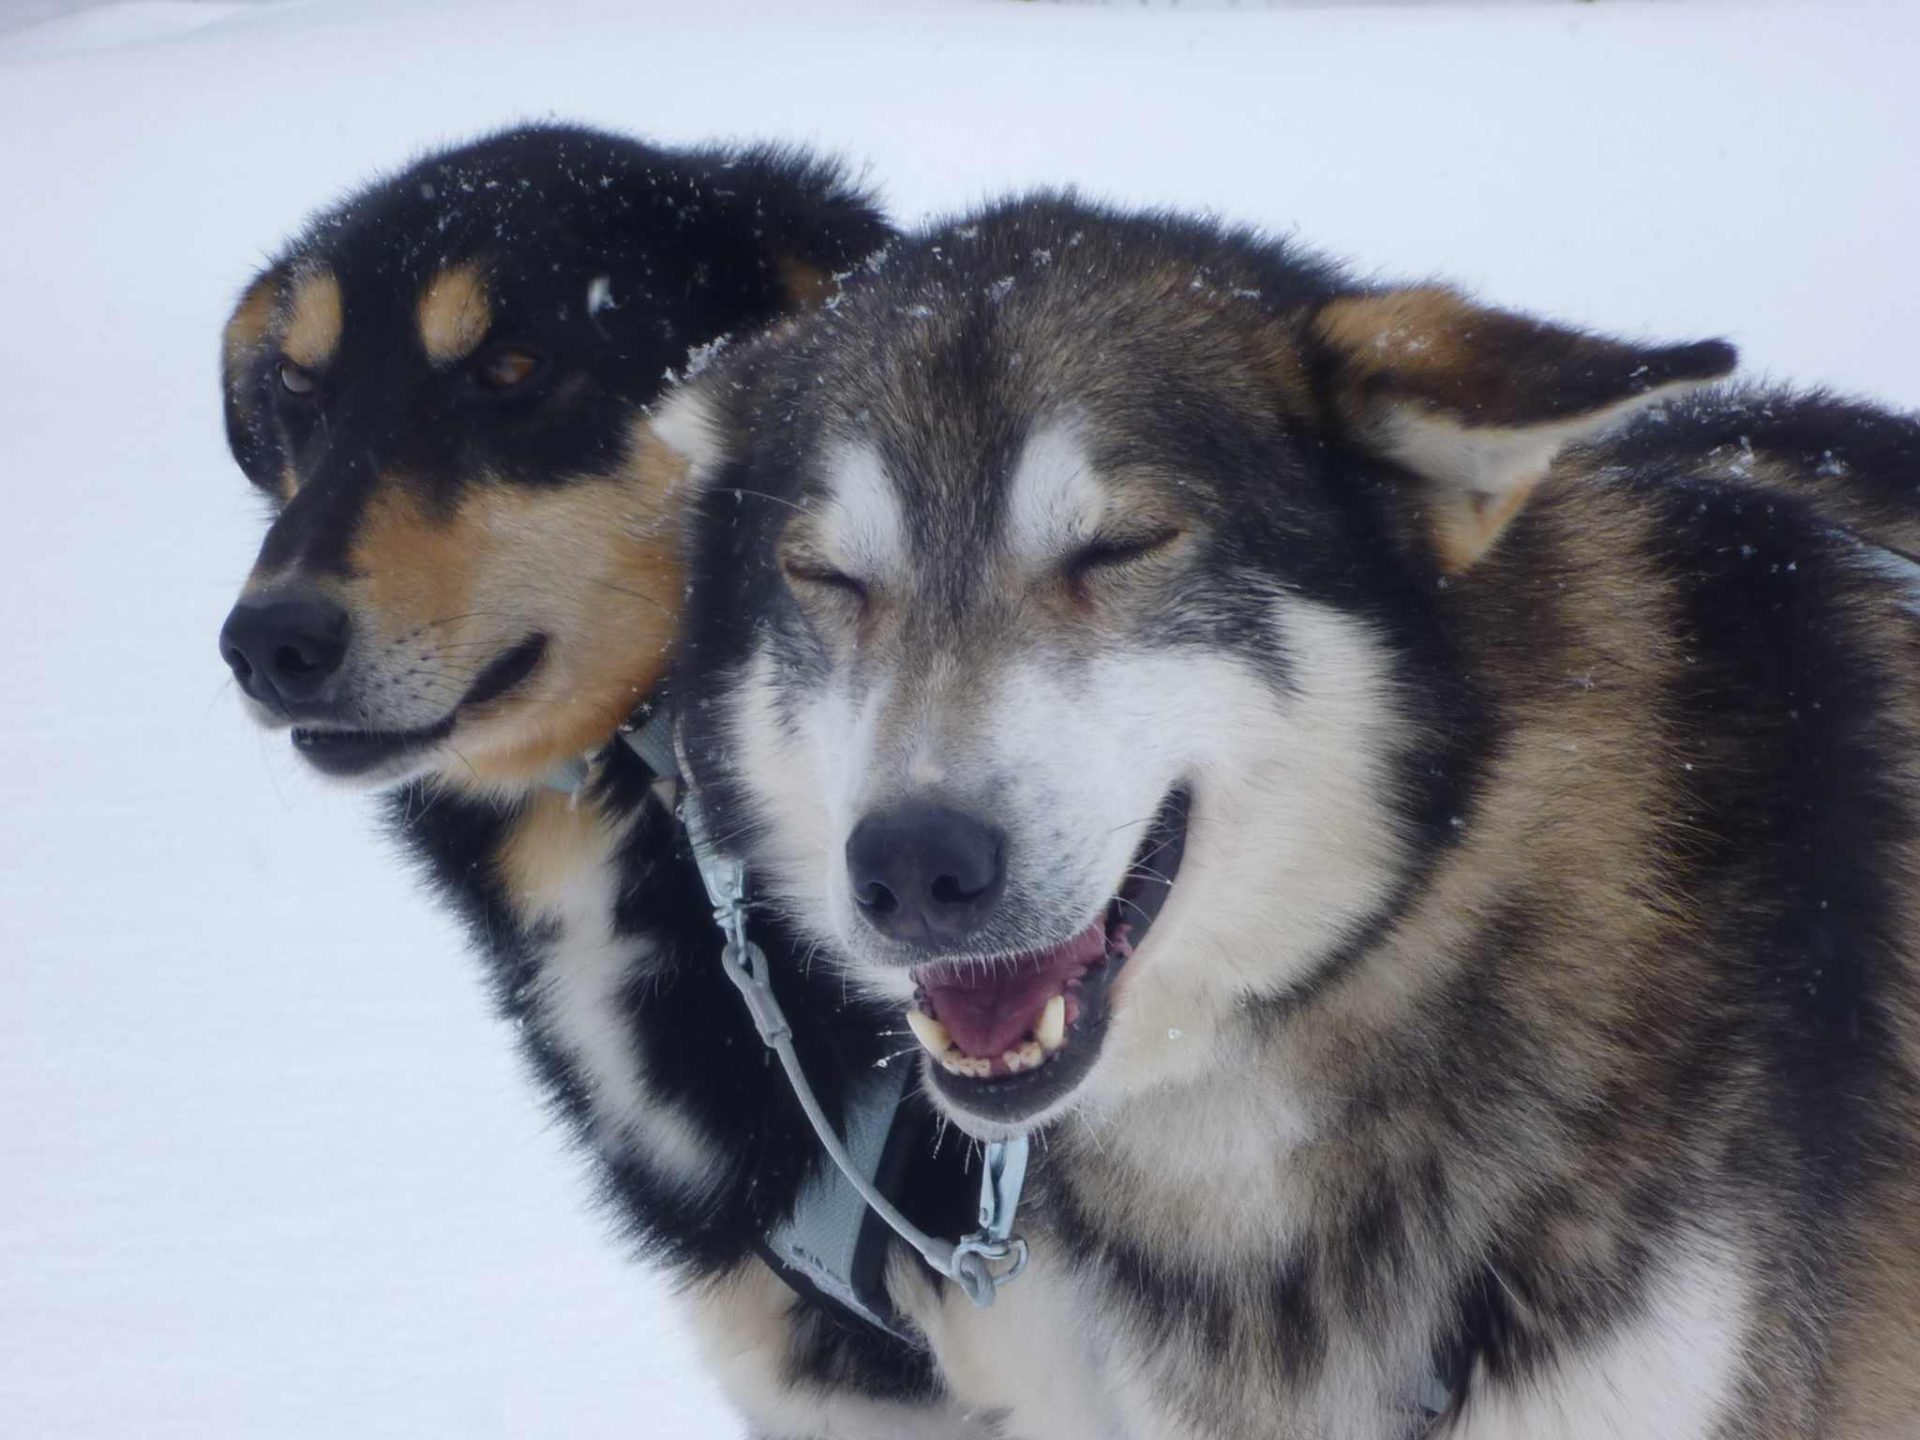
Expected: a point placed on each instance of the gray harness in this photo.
(821, 1246)
(979, 1263)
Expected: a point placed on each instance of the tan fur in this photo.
(1410, 341)
(808, 286)
(1469, 399)
(454, 313)
(1464, 531)
(1570, 793)
(1877, 1385)
(417, 569)
(554, 838)
(593, 564)
(314, 319)
(251, 323)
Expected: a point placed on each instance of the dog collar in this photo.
(651, 740)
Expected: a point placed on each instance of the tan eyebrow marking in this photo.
(313, 320)
(454, 313)
(251, 322)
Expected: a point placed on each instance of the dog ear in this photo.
(1478, 402)
(811, 220)
(244, 343)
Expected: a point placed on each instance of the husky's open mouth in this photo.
(1011, 1034)
(346, 752)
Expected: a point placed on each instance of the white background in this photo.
(267, 1167)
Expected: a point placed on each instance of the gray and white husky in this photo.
(1431, 854)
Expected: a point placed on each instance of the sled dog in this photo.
(469, 585)
(1418, 815)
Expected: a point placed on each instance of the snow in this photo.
(271, 1168)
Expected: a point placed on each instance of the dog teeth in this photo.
(931, 1034)
(1028, 1057)
(1051, 1033)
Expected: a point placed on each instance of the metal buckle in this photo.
(994, 1243)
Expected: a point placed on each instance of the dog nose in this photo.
(926, 873)
(284, 650)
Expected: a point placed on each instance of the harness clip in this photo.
(979, 1263)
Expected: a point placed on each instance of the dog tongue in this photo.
(989, 1009)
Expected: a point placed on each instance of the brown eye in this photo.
(506, 368)
(297, 381)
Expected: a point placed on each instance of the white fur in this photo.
(1055, 497)
(862, 514)
(1281, 785)
(1033, 1358)
(1667, 1376)
(684, 422)
(1494, 460)
(582, 972)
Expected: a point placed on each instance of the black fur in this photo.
(692, 243)
(697, 245)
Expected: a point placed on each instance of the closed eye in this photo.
(809, 573)
(1115, 552)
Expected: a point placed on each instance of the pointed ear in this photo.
(1478, 402)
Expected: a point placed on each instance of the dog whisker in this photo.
(636, 595)
(464, 761)
(761, 495)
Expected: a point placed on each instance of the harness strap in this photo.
(820, 1242)
(979, 1263)
(831, 1244)
(818, 1247)
(651, 740)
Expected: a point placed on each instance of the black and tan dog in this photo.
(1446, 884)
(470, 582)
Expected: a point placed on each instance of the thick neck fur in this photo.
(1493, 1136)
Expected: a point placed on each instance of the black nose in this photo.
(926, 873)
(283, 651)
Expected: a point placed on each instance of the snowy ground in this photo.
(270, 1169)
